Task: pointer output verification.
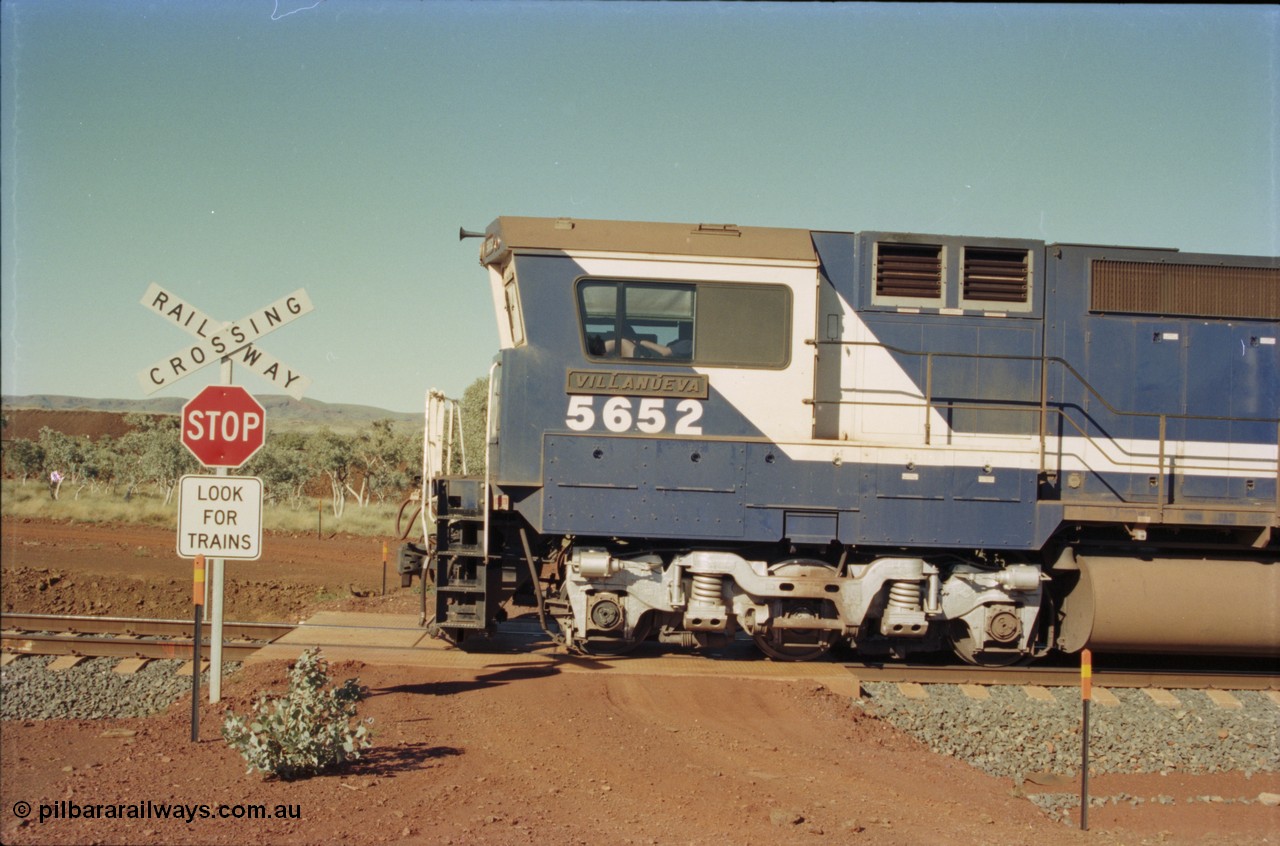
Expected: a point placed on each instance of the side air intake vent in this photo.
(995, 274)
(1190, 290)
(909, 270)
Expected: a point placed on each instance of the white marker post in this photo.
(216, 570)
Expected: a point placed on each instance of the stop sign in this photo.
(223, 426)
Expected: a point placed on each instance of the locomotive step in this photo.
(457, 513)
(464, 551)
(464, 617)
(464, 495)
(467, 586)
(469, 625)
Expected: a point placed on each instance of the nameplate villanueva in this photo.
(636, 384)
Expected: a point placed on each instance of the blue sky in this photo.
(232, 152)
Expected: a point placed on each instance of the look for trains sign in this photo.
(220, 517)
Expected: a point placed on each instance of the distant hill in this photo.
(283, 412)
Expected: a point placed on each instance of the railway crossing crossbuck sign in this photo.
(223, 426)
(217, 340)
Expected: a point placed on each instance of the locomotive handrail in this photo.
(443, 425)
(488, 463)
(1134, 456)
(1102, 445)
(1042, 360)
(1044, 409)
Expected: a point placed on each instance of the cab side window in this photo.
(730, 324)
(636, 320)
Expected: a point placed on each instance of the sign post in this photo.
(222, 426)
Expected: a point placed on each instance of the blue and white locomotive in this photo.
(899, 442)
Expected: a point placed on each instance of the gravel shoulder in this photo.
(518, 754)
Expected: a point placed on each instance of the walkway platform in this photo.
(398, 640)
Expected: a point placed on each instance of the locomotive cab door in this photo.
(827, 357)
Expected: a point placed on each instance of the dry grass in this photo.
(90, 505)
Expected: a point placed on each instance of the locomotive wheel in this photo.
(966, 648)
(783, 644)
(605, 646)
(797, 644)
(601, 646)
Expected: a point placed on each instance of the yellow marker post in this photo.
(1086, 693)
(197, 582)
(197, 600)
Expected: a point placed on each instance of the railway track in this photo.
(126, 637)
(1182, 679)
(1119, 672)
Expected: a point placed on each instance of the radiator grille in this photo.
(909, 270)
(1190, 290)
(995, 274)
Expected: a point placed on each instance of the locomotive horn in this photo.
(463, 233)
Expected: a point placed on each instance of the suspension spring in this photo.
(706, 589)
(904, 595)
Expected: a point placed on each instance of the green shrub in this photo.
(306, 731)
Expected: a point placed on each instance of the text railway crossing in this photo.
(226, 341)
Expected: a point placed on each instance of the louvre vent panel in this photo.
(995, 274)
(1190, 290)
(909, 270)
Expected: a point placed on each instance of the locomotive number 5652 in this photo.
(625, 414)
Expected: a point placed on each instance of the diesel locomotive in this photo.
(899, 443)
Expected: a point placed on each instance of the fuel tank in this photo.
(1175, 605)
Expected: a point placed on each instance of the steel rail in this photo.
(1067, 677)
(95, 646)
(126, 637)
(141, 626)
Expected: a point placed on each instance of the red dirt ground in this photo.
(27, 423)
(520, 755)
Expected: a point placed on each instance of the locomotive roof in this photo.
(571, 234)
(727, 241)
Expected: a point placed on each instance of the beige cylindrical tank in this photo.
(1194, 607)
